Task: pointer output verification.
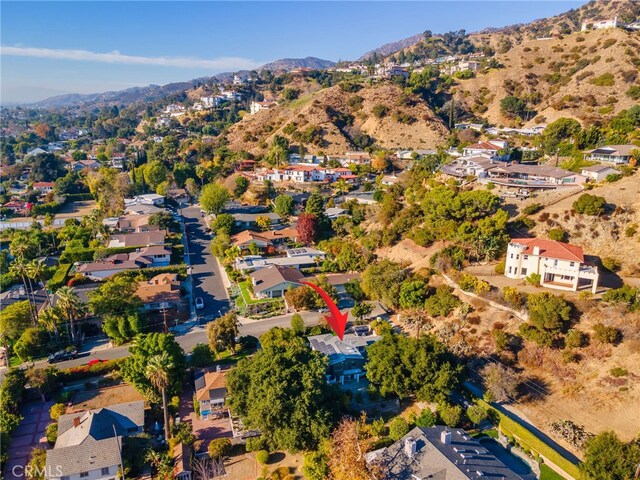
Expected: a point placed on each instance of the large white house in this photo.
(560, 265)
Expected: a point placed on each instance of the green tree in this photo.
(294, 375)
(201, 356)
(71, 307)
(219, 448)
(164, 220)
(512, 106)
(404, 366)
(316, 463)
(590, 204)
(122, 328)
(426, 418)
(476, 414)
(223, 222)
(242, 184)
(158, 372)
(15, 319)
(213, 198)
(283, 205)
(442, 303)
(223, 332)
(155, 172)
(548, 317)
(315, 205)
(115, 297)
(361, 310)
(606, 457)
(144, 347)
(559, 131)
(382, 281)
(297, 324)
(413, 294)
(450, 414)
(398, 428)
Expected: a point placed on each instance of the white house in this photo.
(618, 154)
(598, 173)
(599, 24)
(44, 187)
(560, 265)
(255, 107)
(490, 148)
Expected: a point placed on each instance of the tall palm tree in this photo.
(36, 270)
(71, 307)
(19, 267)
(49, 318)
(158, 373)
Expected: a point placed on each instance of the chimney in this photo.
(536, 250)
(445, 437)
(76, 421)
(410, 447)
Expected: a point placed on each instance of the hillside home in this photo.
(441, 453)
(89, 444)
(81, 165)
(264, 240)
(18, 208)
(560, 265)
(44, 187)
(296, 258)
(130, 224)
(255, 107)
(617, 154)
(347, 357)
(598, 173)
(211, 392)
(462, 167)
(147, 199)
(273, 281)
(490, 149)
(531, 176)
(162, 292)
(599, 24)
(249, 220)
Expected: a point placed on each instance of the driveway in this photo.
(205, 430)
(30, 433)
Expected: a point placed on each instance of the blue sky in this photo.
(51, 48)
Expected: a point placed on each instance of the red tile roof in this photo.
(552, 249)
(483, 146)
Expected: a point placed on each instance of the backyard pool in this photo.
(516, 464)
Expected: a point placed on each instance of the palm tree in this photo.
(340, 186)
(158, 374)
(71, 307)
(19, 267)
(36, 270)
(49, 319)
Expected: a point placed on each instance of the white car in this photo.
(199, 303)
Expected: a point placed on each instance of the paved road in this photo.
(206, 276)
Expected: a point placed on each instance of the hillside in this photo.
(583, 75)
(332, 121)
(393, 47)
(292, 63)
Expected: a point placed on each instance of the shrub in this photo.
(604, 80)
(618, 372)
(576, 339)
(611, 264)
(606, 334)
(558, 235)
(255, 444)
(398, 428)
(569, 356)
(52, 433)
(499, 268)
(631, 230)
(589, 204)
(379, 111)
(220, 448)
(426, 418)
(450, 414)
(634, 92)
(512, 296)
(56, 410)
(628, 295)
(534, 279)
(531, 209)
(262, 456)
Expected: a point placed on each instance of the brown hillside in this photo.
(563, 73)
(342, 116)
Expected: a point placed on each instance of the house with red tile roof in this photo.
(489, 149)
(560, 265)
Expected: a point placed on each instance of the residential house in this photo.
(147, 199)
(89, 444)
(81, 165)
(334, 212)
(347, 357)
(599, 24)
(18, 293)
(473, 126)
(35, 151)
(598, 173)
(156, 237)
(296, 258)
(365, 198)
(142, 209)
(18, 207)
(130, 223)
(462, 167)
(44, 187)
(264, 240)
(211, 392)
(255, 107)
(162, 292)
(560, 265)
(441, 453)
(617, 154)
(249, 220)
(531, 176)
(490, 149)
(182, 461)
(273, 281)
(152, 256)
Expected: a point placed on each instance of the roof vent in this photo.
(76, 421)
(445, 437)
(410, 447)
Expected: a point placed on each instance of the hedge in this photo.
(79, 255)
(60, 277)
(78, 197)
(83, 372)
(7, 280)
(530, 442)
(148, 273)
(45, 208)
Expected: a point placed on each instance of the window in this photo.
(84, 474)
(512, 255)
(526, 257)
(523, 272)
(105, 471)
(509, 269)
(572, 264)
(555, 263)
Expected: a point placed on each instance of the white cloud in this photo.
(221, 63)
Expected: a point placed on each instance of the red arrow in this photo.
(337, 320)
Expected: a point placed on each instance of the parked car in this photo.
(62, 356)
(199, 303)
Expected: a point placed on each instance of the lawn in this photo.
(245, 292)
(547, 474)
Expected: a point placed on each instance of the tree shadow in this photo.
(275, 458)
(533, 389)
